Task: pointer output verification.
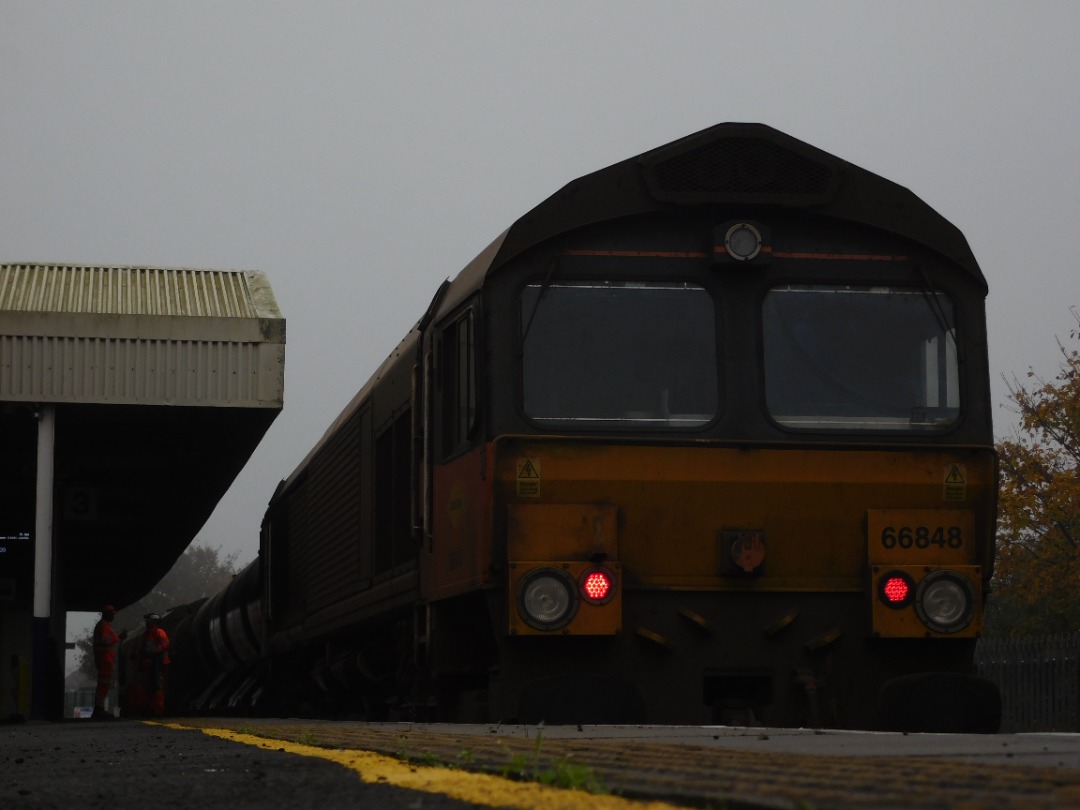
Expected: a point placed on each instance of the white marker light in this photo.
(743, 241)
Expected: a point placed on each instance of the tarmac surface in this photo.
(126, 764)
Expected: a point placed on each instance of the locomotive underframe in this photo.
(701, 657)
(820, 669)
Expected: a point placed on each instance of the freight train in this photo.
(703, 437)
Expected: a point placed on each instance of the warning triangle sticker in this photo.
(955, 476)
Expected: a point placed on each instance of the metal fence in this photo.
(1039, 679)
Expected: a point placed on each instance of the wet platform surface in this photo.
(131, 764)
(702, 767)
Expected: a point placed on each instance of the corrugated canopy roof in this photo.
(134, 291)
(139, 336)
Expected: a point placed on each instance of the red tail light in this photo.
(896, 589)
(597, 586)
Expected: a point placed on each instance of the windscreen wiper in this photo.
(545, 284)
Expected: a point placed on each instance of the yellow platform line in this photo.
(478, 788)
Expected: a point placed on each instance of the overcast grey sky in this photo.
(361, 152)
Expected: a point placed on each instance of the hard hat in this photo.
(152, 617)
(108, 609)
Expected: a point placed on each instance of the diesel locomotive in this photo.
(703, 437)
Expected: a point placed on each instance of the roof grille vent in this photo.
(740, 169)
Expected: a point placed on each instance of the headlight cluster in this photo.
(548, 597)
(944, 600)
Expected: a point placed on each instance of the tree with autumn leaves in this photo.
(1036, 585)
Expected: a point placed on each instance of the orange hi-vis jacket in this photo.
(155, 642)
(105, 641)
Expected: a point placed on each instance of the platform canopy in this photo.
(162, 381)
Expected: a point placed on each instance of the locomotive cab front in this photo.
(727, 457)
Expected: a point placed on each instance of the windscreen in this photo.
(860, 358)
(624, 355)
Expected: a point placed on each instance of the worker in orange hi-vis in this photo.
(105, 640)
(153, 659)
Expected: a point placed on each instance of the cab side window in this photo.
(457, 381)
